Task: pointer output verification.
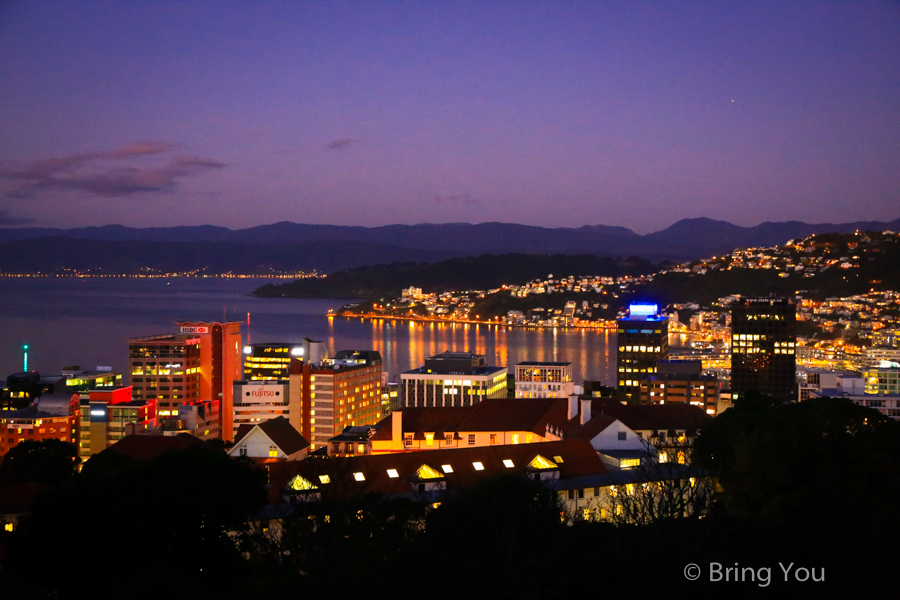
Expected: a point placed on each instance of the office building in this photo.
(642, 340)
(200, 418)
(763, 343)
(331, 394)
(256, 401)
(452, 379)
(51, 417)
(681, 382)
(883, 378)
(197, 362)
(109, 415)
(270, 361)
(544, 380)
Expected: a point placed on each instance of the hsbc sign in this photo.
(193, 329)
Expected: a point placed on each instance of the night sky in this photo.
(370, 113)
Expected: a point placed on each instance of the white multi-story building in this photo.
(452, 379)
(544, 380)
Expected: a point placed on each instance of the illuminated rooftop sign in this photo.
(643, 310)
(185, 329)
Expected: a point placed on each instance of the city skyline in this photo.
(624, 114)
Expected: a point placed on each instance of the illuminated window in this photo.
(508, 463)
(392, 473)
(493, 438)
(300, 484)
(324, 479)
(539, 462)
(478, 466)
(446, 468)
(359, 477)
(429, 439)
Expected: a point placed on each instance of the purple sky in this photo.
(370, 113)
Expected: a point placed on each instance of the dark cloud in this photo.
(73, 172)
(8, 219)
(457, 200)
(341, 143)
(196, 161)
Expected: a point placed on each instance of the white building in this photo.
(544, 380)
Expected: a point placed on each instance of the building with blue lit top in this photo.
(642, 340)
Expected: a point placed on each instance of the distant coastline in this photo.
(375, 317)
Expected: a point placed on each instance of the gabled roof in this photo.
(575, 431)
(493, 414)
(644, 417)
(355, 433)
(149, 447)
(370, 474)
(279, 430)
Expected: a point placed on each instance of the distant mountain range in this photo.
(328, 248)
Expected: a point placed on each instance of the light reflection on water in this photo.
(89, 321)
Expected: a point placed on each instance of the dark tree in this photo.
(52, 462)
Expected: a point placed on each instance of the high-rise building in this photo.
(335, 393)
(642, 340)
(763, 343)
(263, 362)
(197, 362)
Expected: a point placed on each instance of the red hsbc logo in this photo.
(193, 330)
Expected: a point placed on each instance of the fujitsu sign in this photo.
(261, 392)
(184, 329)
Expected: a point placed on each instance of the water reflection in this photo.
(88, 322)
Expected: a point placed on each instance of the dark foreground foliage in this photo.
(808, 486)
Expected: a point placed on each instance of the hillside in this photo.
(688, 239)
(475, 272)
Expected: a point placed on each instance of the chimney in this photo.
(573, 406)
(585, 411)
(397, 427)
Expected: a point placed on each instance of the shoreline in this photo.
(139, 276)
(376, 317)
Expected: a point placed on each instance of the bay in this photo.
(88, 321)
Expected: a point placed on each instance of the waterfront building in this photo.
(452, 379)
(51, 417)
(544, 380)
(642, 340)
(763, 342)
(197, 362)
